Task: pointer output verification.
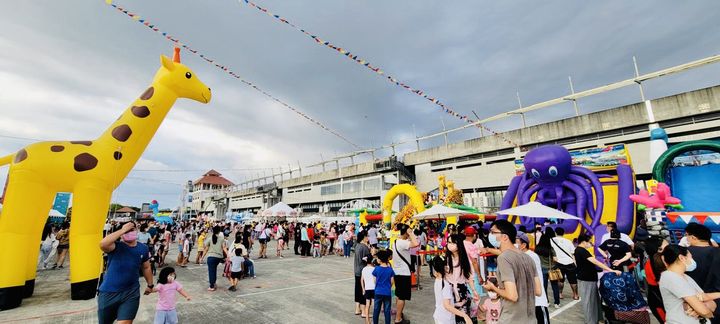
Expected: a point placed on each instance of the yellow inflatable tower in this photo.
(91, 170)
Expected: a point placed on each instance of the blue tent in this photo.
(164, 219)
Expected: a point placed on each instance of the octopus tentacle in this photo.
(580, 181)
(581, 202)
(527, 194)
(559, 197)
(597, 186)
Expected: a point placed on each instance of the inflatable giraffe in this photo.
(91, 170)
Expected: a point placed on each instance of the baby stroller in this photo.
(622, 300)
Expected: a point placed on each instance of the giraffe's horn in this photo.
(176, 55)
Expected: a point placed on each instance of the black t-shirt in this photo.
(617, 249)
(707, 258)
(586, 270)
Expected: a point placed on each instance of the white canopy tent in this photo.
(535, 209)
(280, 209)
(438, 212)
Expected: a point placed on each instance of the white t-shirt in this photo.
(684, 242)
(563, 258)
(265, 233)
(399, 266)
(542, 300)
(623, 237)
(441, 315)
(368, 277)
(481, 259)
(673, 289)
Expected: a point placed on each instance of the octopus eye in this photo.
(553, 171)
(535, 173)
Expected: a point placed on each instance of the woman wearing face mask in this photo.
(684, 301)
(119, 293)
(459, 275)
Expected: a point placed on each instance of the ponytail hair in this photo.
(216, 230)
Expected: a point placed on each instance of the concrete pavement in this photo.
(288, 290)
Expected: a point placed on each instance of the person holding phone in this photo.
(518, 281)
(119, 293)
(401, 267)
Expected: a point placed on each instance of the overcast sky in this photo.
(67, 69)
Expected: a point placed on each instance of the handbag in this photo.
(553, 274)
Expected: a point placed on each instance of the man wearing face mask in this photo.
(518, 281)
(707, 258)
(119, 293)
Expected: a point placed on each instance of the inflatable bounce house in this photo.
(91, 170)
(691, 171)
(592, 184)
(445, 194)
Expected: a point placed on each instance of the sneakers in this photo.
(556, 306)
(232, 288)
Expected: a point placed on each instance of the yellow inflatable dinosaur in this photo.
(91, 170)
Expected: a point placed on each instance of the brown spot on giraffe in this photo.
(57, 148)
(140, 111)
(122, 132)
(84, 162)
(147, 94)
(21, 156)
(117, 155)
(86, 143)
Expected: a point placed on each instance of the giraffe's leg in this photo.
(90, 206)
(27, 203)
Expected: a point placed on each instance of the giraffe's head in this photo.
(179, 78)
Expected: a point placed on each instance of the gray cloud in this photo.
(67, 71)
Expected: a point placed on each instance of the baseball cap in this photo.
(523, 237)
(470, 230)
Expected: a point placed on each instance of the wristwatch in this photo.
(150, 286)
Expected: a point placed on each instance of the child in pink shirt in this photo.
(165, 312)
(492, 308)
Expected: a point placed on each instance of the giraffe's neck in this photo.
(133, 131)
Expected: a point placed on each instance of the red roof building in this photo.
(212, 180)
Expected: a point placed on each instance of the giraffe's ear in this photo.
(167, 62)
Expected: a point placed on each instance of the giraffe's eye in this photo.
(188, 75)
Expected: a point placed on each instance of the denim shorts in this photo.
(166, 316)
(119, 306)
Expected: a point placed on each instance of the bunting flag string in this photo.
(376, 69)
(226, 69)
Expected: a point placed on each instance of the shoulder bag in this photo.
(553, 274)
(410, 266)
(568, 254)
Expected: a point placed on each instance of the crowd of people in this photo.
(503, 273)
(494, 274)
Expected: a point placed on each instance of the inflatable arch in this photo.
(416, 200)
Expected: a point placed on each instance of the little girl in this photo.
(445, 310)
(492, 308)
(167, 286)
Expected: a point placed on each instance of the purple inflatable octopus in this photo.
(549, 173)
